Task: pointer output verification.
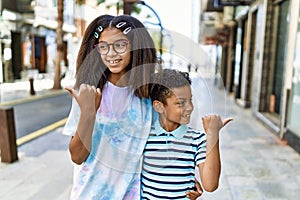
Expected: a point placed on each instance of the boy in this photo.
(173, 149)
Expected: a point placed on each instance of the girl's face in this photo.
(114, 48)
(178, 109)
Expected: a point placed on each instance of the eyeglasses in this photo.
(119, 46)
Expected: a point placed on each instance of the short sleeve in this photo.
(201, 148)
(72, 121)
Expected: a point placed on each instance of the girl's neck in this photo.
(120, 80)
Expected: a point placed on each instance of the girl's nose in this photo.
(111, 51)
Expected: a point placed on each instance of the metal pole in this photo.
(160, 25)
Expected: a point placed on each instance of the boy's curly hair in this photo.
(163, 82)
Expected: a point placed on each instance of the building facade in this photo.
(260, 62)
(30, 38)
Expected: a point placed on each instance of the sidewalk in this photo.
(256, 165)
(19, 91)
(39, 174)
(44, 169)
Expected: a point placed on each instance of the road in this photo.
(34, 115)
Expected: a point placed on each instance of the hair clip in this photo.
(120, 24)
(100, 29)
(127, 30)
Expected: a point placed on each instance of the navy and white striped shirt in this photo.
(169, 162)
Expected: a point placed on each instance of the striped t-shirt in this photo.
(169, 162)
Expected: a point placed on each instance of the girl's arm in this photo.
(210, 170)
(80, 144)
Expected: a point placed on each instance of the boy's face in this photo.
(178, 108)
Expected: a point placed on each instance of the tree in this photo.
(127, 5)
(59, 44)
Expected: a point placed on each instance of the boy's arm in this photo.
(197, 192)
(210, 170)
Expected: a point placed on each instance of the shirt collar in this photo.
(178, 133)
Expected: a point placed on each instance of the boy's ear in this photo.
(158, 106)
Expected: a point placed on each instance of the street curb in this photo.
(34, 98)
(40, 132)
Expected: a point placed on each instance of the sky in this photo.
(178, 15)
(181, 19)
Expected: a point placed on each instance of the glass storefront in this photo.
(294, 105)
(277, 85)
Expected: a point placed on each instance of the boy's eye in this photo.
(184, 102)
(181, 103)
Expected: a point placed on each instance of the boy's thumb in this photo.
(227, 120)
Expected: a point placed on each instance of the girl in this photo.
(115, 61)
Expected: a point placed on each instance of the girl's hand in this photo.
(85, 96)
(192, 194)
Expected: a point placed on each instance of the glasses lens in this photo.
(120, 46)
(102, 48)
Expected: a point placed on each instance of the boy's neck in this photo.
(169, 127)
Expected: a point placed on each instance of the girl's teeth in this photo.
(113, 61)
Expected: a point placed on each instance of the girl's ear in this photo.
(158, 106)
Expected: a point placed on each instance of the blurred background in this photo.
(243, 57)
(250, 47)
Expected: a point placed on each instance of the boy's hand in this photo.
(213, 123)
(192, 194)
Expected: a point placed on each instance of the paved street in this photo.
(34, 115)
(256, 165)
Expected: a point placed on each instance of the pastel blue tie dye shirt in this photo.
(112, 170)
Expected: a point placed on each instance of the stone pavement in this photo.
(44, 169)
(39, 175)
(256, 165)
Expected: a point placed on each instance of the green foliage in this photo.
(135, 9)
(80, 2)
(100, 1)
(155, 34)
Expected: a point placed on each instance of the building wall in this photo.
(267, 40)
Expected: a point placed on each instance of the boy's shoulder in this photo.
(191, 129)
(195, 132)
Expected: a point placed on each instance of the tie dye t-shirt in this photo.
(112, 170)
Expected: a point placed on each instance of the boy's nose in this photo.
(190, 106)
